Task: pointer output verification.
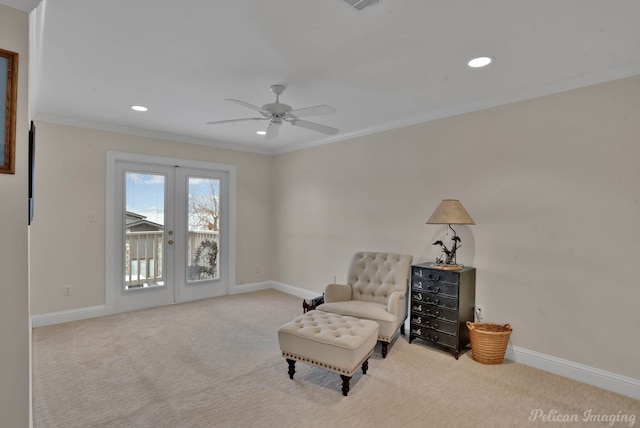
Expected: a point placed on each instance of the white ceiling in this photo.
(26, 5)
(396, 63)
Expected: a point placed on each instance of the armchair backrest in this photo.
(374, 276)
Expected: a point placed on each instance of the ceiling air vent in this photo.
(361, 4)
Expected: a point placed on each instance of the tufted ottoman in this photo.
(334, 342)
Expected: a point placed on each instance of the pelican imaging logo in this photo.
(539, 415)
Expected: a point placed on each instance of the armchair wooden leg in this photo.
(365, 366)
(384, 349)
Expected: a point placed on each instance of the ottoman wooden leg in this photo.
(365, 366)
(384, 349)
(345, 384)
(292, 367)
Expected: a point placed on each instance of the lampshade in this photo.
(450, 211)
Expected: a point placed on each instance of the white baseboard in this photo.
(67, 316)
(288, 289)
(614, 382)
(294, 291)
(52, 318)
(247, 288)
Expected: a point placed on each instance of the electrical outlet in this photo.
(67, 290)
(479, 312)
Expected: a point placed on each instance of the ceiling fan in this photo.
(276, 113)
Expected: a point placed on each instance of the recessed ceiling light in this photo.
(261, 132)
(139, 108)
(481, 61)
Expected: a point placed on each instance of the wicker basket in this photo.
(488, 341)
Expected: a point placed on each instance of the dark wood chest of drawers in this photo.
(441, 304)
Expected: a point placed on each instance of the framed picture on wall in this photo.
(8, 101)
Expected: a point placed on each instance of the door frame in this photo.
(110, 240)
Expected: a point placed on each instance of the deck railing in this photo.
(202, 254)
(143, 257)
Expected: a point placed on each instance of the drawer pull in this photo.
(433, 325)
(433, 302)
(434, 290)
(433, 314)
(434, 277)
(433, 338)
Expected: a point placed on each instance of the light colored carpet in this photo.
(216, 363)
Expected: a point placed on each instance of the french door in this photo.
(169, 232)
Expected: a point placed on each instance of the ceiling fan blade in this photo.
(246, 104)
(235, 120)
(314, 126)
(313, 111)
(272, 130)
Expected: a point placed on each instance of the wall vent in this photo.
(361, 4)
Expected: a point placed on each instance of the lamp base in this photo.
(443, 266)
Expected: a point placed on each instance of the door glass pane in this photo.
(144, 230)
(203, 229)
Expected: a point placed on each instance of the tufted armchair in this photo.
(376, 289)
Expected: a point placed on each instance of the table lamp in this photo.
(450, 211)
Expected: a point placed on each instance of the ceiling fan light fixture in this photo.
(139, 108)
(261, 132)
(480, 61)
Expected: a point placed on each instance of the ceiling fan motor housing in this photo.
(277, 108)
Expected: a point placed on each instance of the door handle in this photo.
(170, 242)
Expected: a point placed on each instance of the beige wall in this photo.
(71, 182)
(552, 184)
(15, 336)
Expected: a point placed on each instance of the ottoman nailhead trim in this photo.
(325, 365)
